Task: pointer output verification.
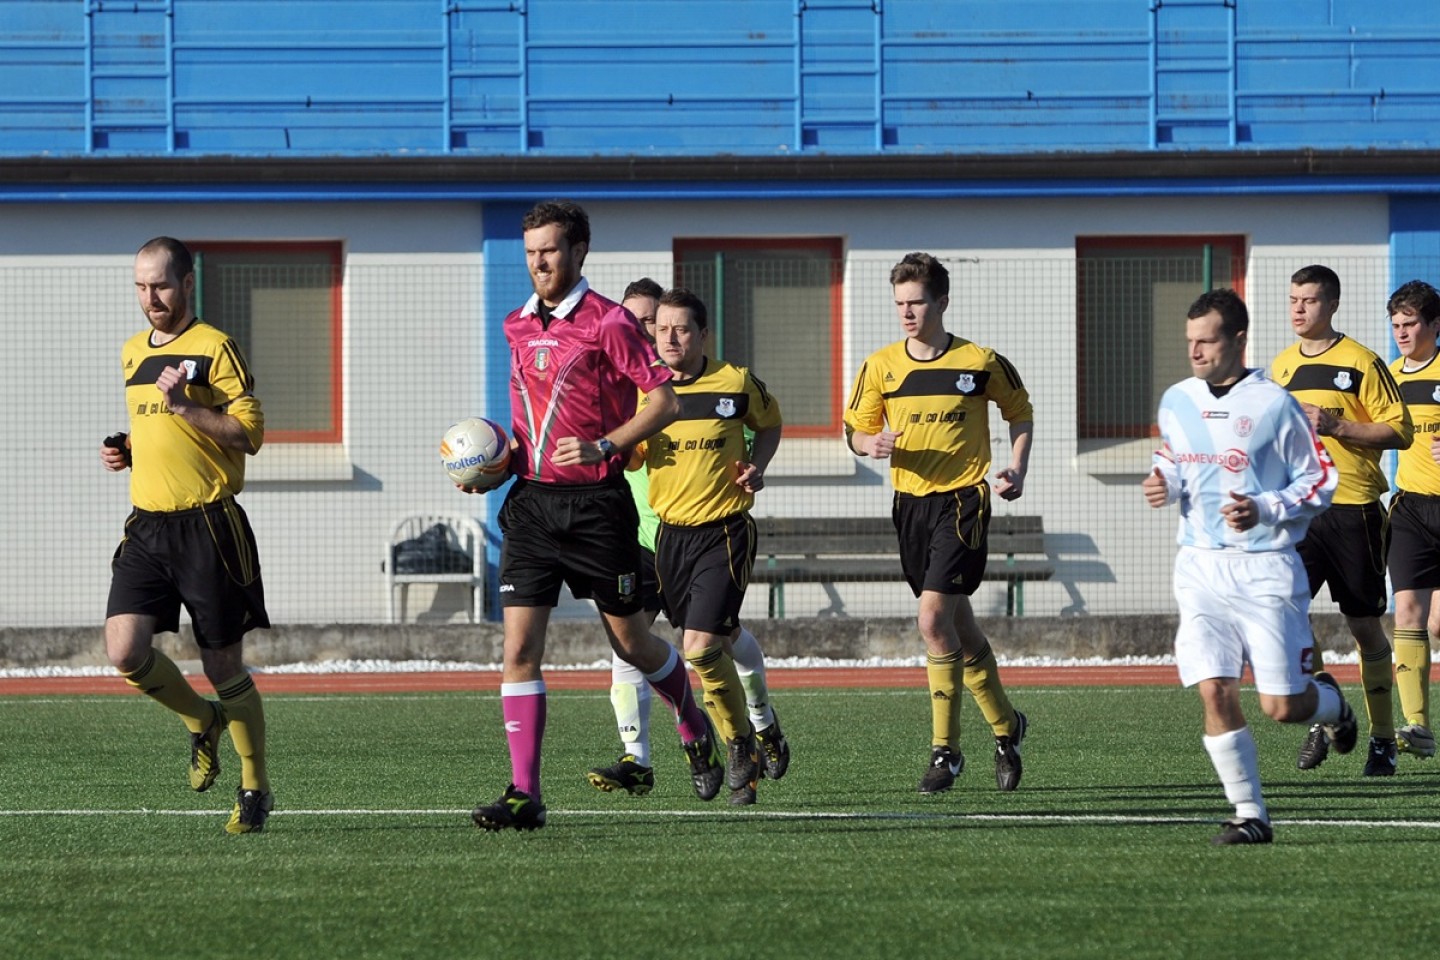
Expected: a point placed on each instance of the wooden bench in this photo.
(833, 550)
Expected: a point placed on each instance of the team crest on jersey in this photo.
(1244, 427)
(726, 407)
(1342, 380)
(189, 366)
(965, 383)
(542, 359)
(1435, 394)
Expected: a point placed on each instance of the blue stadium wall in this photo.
(707, 77)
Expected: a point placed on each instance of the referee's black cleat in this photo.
(515, 810)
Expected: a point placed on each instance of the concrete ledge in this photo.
(583, 641)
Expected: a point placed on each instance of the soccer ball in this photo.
(476, 454)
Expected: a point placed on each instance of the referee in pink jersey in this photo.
(576, 361)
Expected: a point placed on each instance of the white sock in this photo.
(1233, 755)
(630, 696)
(750, 664)
(1327, 706)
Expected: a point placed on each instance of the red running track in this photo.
(780, 678)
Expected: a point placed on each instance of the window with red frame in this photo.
(776, 306)
(1132, 294)
(281, 304)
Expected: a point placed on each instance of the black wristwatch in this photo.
(607, 448)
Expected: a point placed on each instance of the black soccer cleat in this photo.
(1243, 831)
(1382, 759)
(774, 751)
(1007, 755)
(515, 810)
(626, 774)
(707, 769)
(946, 763)
(1346, 730)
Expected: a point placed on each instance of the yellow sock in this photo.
(982, 679)
(241, 700)
(724, 696)
(160, 680)
(1377, 677)
(943, 674)
(1412, 675)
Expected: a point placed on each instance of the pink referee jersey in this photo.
(575, 378)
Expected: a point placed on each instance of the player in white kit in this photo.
(1240, 456)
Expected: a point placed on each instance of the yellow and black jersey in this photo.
(175, 466)
(1417, 471)
(1349, 381)
(939, 408)
(692, 461)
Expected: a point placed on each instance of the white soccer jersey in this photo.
(1256, 441)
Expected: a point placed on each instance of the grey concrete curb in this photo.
(583, 641)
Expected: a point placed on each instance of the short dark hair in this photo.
(1315, 273)
(1416, 297)
(680, 297)
(1234, 317)
(644, 287)
(924, 269)
(180, 258)
(572, 219)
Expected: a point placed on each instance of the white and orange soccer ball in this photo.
(476, 454)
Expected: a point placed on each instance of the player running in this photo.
(923, 404)
(1354, 406)
(630, 696)
(1239, 456)
(1414, 551)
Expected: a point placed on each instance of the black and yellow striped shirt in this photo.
(1351, 382)
(175, 466)
(692, 461)
(1417, 470)
(940, 409)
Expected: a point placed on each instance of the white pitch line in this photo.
(761, 814)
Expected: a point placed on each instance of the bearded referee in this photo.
(194, 418)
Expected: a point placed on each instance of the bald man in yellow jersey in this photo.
(1354, 405)
(923, 404)
(194, 418)
(1414, 552)
(703, 482)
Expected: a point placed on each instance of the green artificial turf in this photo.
(1103, 852)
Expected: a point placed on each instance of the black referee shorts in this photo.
(583, 535)
(204, 559)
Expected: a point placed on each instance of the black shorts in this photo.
(704, 571)
(943, 539)
(582, 535)
(651, 600)
(1345, 547)
(1414, 551)
(204, 559)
